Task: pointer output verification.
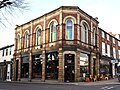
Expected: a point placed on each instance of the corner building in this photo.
(61, 45)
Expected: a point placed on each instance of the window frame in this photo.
(37, 37)
(68, 33)
(84, 32)
(26, 40)
(53, 31)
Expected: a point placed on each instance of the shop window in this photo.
(69, 30)
(37, 66)
(52, 32)
(84, 65)
(25, 67)
(52, 65)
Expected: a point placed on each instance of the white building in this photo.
(6, 56)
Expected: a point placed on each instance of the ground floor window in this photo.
(37, 66)
(25, 67)
(84, 65)
(52, 65)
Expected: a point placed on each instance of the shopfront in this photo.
(69, 71)
(84, 66)
(37, 66)
(52, 66)
(105, 69)
(24, 67)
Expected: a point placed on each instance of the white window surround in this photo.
(108, 50)
(103, 34)
(103, 48)
(108, 37)
(113, 40)
(114, 52)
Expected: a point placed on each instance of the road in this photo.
(30, 86)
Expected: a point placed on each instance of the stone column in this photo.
(14, 69)
(97, 66)
(30, 66)
(91, 64)
(77, 66)
(61, 66)
(19, 69)
(43, 65)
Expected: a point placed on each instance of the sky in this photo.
(107, 11)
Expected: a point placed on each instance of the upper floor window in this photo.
(114, 40)
(26, 40)
(114, 53)
(119, 53)
(18, 42)
(103, 34)
(84, 33)
(118, 43)
(103, 48)
(108, 38)
(6, 52)
(108, 50)
(10, 51)
(69, 30)
(93, 37)
(3, 53)
(38, 37)
(52, 32)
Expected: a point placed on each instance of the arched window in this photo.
(26, 40)
(52, 32)
(69, 30)
(84, 33)
(18, 42)
(38, 37)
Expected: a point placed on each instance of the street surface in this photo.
(40, 86)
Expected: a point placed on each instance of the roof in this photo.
(62, 7)
(7, 46)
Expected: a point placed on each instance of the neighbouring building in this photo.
(109, 53)
(65, 44)
(6, 58)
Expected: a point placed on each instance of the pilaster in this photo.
(61, 66)
(30, 66)
(43, 65)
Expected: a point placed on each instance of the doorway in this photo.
(69, 72)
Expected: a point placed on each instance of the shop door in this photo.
(69, 68)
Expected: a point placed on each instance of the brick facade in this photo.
(62, 46)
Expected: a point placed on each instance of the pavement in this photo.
(103, 82)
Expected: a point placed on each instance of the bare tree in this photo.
(10, 7)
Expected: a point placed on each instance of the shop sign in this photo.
(114, 61)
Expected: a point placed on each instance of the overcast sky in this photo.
(107, 11)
